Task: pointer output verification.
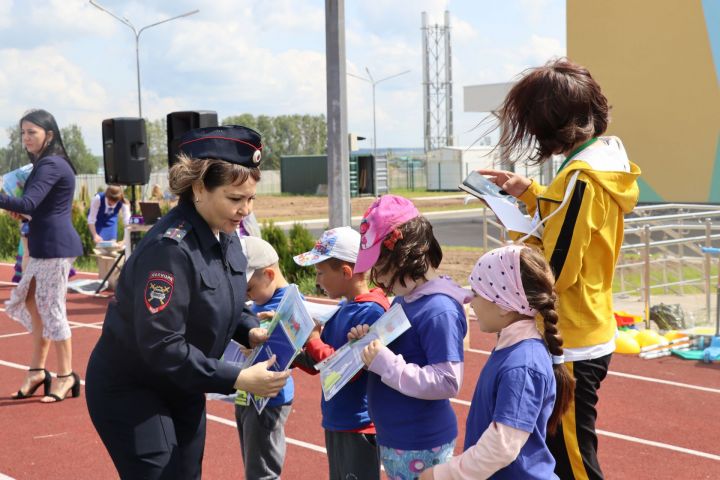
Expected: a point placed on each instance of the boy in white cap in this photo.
(262, 436)
(349, 432)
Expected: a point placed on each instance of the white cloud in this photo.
(541, 49)
(255, 56)
(5, 9)
(461, 30)
(73, 18)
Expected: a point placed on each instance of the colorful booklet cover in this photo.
(287, 333)
(13, 183)
(340, 367)
(503, 205)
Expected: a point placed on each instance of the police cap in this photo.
(232, 143)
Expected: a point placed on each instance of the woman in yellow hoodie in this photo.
(559, 109)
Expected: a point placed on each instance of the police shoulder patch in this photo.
(177, 232)
(158, 290)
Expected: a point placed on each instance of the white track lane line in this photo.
(317, 448)
(638, 377)
(86, 325)
(19, 334)
(291, 441)
(5, 477)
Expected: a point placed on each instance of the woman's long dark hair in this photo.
(45, 120)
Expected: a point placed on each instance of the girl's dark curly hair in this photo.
(411, 256)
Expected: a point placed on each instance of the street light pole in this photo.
(374, 82)
(137, 34)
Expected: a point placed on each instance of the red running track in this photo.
(657, 418)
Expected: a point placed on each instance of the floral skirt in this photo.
(51, 279)
(409, 464)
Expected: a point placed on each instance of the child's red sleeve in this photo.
(318, 350)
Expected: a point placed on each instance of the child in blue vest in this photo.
(349, 432)
(523, 389)
(105, 208)
(414, 377)
(262, 436)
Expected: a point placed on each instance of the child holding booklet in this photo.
(262, 436)
(349, 432)
(414, 377)
(515, 401)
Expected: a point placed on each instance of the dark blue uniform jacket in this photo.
(179, 301)
(48, 198)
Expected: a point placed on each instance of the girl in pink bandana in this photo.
(524, 387)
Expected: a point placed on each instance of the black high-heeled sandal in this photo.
(75, 389)
(47, 381)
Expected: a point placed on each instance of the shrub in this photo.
(9, 235)
(299, 240)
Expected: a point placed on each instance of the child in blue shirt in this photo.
(523, 389)
(262, 436)
(414, 377)
(349, 432)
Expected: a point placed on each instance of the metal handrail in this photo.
(677, 216)
(673, 226)
(676, 220)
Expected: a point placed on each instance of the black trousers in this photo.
(148, 434)
(352, 455)
(575, 443)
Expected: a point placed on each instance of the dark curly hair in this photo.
(411, 256)
(551, 109)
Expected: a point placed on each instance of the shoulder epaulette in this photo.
(178, 231)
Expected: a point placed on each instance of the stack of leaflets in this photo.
(287, 333)
(503, 205)
(13, 183)
(340, 367)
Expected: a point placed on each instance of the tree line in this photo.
(282, 135)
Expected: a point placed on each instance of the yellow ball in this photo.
(648, 337)
(625, 343)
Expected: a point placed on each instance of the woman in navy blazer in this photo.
(38, 302)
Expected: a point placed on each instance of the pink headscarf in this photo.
(496, 278)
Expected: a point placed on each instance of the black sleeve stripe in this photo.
(562, 245)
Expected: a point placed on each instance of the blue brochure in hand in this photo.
(338, 369)
(13, 183)
(287, 333)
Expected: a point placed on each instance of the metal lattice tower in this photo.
(437, 84)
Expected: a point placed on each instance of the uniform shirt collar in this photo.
(204, 233)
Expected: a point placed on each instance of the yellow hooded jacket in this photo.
(582, 240)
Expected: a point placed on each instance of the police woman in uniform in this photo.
(179, 301)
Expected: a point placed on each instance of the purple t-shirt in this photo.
(348, 409)
(436, 335)
(517, 388)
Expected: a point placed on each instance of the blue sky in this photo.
(257, 56)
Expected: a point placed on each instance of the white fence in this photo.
(269, 185)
